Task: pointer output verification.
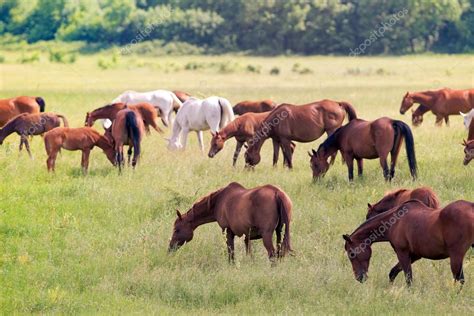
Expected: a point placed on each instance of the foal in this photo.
(255, 213)
(244, 128)
(82, 138)
(27, 124)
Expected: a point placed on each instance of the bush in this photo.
(275, 71)
(254, 68)
(28, 59)
(2, 59)
(61, 57)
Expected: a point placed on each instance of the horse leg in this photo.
(456, 267)
(405, 262)
(393, 157)
(129, 154)
(278, 239)
(350, 167)
(201, 143)
(248, 244)
(398, 268)
(230, 245)
(85, 160)
(439, 120)
(27, 146)
(446, 120)
(384, 165)
(360, 167)
(268, 243)
(51, 161)
(184, 135)
(238, 147)
(287, 153)
(276, 152)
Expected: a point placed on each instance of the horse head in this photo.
(182, 232)
(252, 157)
(407, 102)
(468, 151)
(359, 254)
(319, 163)
(217, 143)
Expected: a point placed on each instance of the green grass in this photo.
(97, 244)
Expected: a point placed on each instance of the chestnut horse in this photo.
(392, 199)
(9, 108)
(415, 231)
(442, 103)
(147, 111)
(182, 96)
(301, 123)
(82, 138)
(361, 139)
(253, 106)
(27, 124)
(255, 213)
(468, 151)
(243, 128)
(127, 129)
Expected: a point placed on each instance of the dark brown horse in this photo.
(417, 115)
(82, 138)
(442, 103)
(254, 107)
(415, 231)
(470, 136)
(182, 96)
(255, 213)
(9, 108)
(398, 197)
(127, 129)
(147, 111)
(361, 139)
(27, 124)
(304, 123)
(468, 151)
(243, 128)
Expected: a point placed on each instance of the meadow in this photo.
(98, 243)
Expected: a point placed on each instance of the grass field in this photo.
(97, 244)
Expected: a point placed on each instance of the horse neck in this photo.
(375, 229)
(202, 212)
(7, 129)
(229, 131)
(101, 142)
(424, 98)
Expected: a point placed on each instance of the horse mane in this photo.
(203, 204)
(329, 142)
(14, 119)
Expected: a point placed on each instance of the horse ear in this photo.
(213, 134)
(369, 205)
(407, 94)
(178, 213)
(309, 153)
(347, 238)
(462, 114)
(314, 152)
(464, 143)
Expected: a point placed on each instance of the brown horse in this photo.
(361, 139)
(442, 103)
(82, 138)
(470, 136)
(243, 128)
(127, 129)
(254, 107)
(182, 96)
(415, 231)
(468, 151)
(27, 124)
(304, 123)
(417, 115)
(255, 213)
(147, 111)
(392, 199)
(9, 108)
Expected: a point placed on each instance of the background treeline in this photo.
(260, 26)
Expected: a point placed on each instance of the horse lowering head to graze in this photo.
(392, 199)
(361, 139)
(254, 106)
(468, 151)
(9, 108)
(256, 213)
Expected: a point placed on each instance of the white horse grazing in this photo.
(200, 115)
(468, 118)
(164, 101)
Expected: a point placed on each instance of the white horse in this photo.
(164, 101)
(468, 118)
(200, 115)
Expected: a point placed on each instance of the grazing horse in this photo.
(127, 129)
(9, 108)
(82, 138)
(199, 115)
(392, 199)
(415, 231)
(147, 111)
(164, 101)
(300, 123)
(442, 103)
(244, 129)
(255, 213)
(468, 151)
(361, 139)
(27, 124)
(253, 106)
(182, 96)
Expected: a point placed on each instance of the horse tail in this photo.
(405, 131)
(351, 113)
(41, 103)
(227, 113)
(284, 213)
(176, 102)
(65, 122)
(133, 131)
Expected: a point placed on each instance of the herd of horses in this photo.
(412, 221)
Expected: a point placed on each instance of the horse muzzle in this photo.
(362, 277)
